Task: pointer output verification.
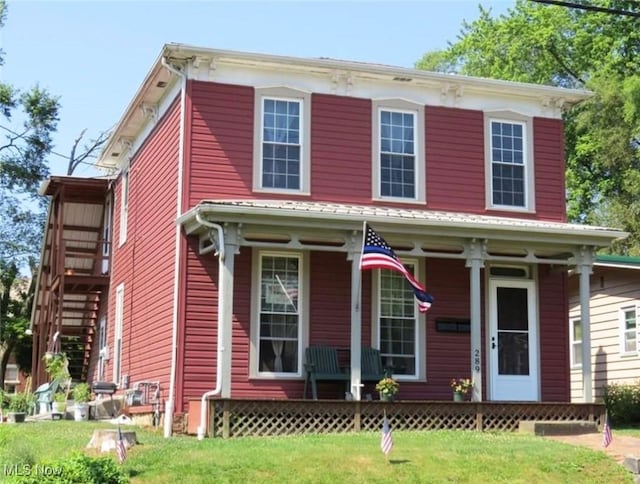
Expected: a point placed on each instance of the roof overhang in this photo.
(502, 233)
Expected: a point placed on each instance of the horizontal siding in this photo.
(611, 289)
(221, 144)
(145, 262)
(455, 146)
(549, 169)
(448, 354)
(341, 149)
(553, 335)
(220, 161)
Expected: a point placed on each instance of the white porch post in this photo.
(225, 305)
(475, 261)
(584, 267)
(356, 316)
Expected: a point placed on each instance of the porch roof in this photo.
(554, 237)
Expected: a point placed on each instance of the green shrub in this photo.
(77, 469)
(623, 402)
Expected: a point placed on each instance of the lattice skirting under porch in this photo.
(240, 418)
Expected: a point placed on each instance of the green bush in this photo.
(77, 469)
(623, 403)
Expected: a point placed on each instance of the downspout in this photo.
(170, 404)
(218, 387)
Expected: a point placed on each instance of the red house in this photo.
(227, 235)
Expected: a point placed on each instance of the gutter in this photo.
(218, 387)
(170, 403)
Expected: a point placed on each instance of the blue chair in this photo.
(44, 395)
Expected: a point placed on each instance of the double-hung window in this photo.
(279, 323)
(124, 206)
(281, 148)
(510, 163)
(576, 342)
(398, 151)
(397, 325)
(117, 334)
(629, 330)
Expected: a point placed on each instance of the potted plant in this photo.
(57, 366)
(81, 395)
(461, 388)
(387, 387)
(59, 402)
(19, 406)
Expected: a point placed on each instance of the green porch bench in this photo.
(371, 367)
(321, 364)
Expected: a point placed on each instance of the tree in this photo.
(27, 120)
(572, 48)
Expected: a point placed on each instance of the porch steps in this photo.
(557, 427)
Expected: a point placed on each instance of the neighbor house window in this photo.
(11, 374)
(576, 342)
(397, 326)
(279, 314)
(510, 163)
(398, 138)
(124, 206)
(117, 334)
(629, 326)
(282, 140)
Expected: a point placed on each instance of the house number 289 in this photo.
(476, 360)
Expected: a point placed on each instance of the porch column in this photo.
(475, 262)
(356, 315)
(225, 304)
(584, 267)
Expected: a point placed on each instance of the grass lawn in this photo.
(436, 456)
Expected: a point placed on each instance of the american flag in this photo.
(386, 444)
(121, 448)
(376, 254)
(607, 436)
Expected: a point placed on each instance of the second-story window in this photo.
(281, 144)
(397, 154)
(281, 140)
(124, 206)
(398, 151)
(509, 158)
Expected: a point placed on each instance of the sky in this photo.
(94, 55)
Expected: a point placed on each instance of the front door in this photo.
(513, 340)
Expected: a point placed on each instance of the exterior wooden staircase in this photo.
(73, 279)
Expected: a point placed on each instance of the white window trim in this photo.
(529, 171)
(103, 348)
(622, 330)
(401, 105)
(117, 334)
(303, 309)
(107, 228)
(12, 366)
(287, 94)
(573, 342)
(124, 206)
(420, 330)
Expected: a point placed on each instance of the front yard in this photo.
(424, 456)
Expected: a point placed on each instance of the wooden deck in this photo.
(243, 417)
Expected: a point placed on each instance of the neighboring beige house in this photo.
(614, 306)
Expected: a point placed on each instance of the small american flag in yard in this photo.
(607, 436)
(386, 444)
(121, 448)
